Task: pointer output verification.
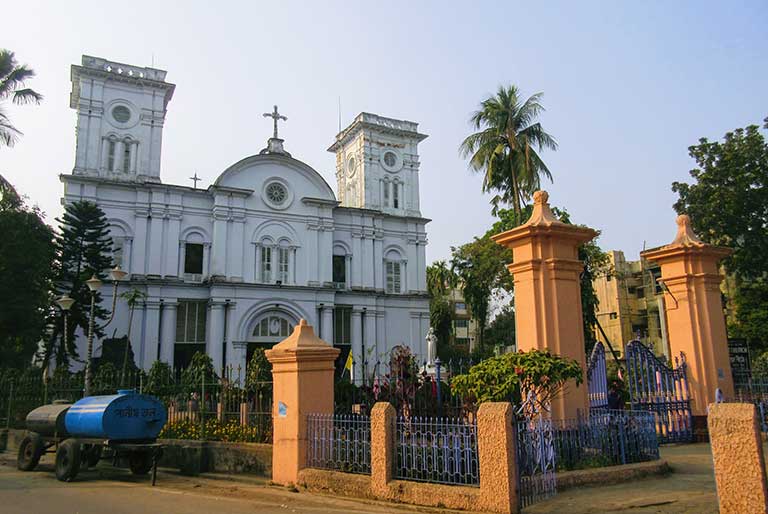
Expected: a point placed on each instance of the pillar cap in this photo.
(685, 241)
(544, 221)
(303, 340)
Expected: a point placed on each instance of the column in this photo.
(357, 345)
(378, 260)
(168, 333)
(235, 251)
(357, 260)
(415, 340)
(327, 314)
(411, 281)
(219, 250)
(382, 345)
(134, 153)
(302, 373)
(155, 264)
(215, 342)
(172, 255)
(119, 149)
(151, 331)
(694, 312)
(326, 255)
(138, 260)
(313, 273)
(546, 272)
(136, 340)
(368, 268)
(370, 342)
(104, 153)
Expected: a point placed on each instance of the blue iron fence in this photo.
(605, 438)
(597, 378)
(752, 387)
(442, 450)
(339, 442)
(535, 459)
(661, 389)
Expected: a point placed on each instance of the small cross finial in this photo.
(275, 116)
(195, 179)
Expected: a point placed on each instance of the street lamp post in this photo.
(65, 303)
(94, 284)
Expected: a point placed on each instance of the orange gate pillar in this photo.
(302, 374)
(546, 269)
(694, 312)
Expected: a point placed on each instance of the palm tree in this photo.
(12, 79)
(440, 278)
(505, 146)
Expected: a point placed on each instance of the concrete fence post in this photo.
(383, 433)
(219, 412)
(497, 452)
(737, 452)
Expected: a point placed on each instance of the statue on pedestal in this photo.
(431, 347)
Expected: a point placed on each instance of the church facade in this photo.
(235, 266)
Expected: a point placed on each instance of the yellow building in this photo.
(630, 302)
(464, 326)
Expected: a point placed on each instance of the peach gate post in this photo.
(302, 374)
(546, 271)
(694, 313)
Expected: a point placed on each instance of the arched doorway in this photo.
(269, 329)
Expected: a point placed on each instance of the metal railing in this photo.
(339, 442)
(442, 450)
(605, 438)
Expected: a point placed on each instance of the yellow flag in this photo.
(348, 364)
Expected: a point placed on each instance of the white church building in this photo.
(234, 266)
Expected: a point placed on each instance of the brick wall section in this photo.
(737, 453)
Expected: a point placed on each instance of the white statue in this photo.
(431, 347)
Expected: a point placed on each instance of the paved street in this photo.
(691, 489)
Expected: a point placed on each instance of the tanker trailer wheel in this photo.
(68, 460)
(140, 462)
(30, 451)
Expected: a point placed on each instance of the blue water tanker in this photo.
(125, 424)
(125, 416)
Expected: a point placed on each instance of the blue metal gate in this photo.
(655, 387)
(597, 378)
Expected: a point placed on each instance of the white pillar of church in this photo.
(411, 267)
(138, 263)
(168, 333)
(219, 250)
(326, 255)
(215, 343)
(137, 342)
(149, 346)
(119, 150)
(370, 342)
(367, 255)
(382, 345)
(104, 153)
(357, 260)
(235, 250)
(155, 265)
(134, 152)
(172, 255)
(327, 315)
(313, 276)
(378, 261)
(357, 346)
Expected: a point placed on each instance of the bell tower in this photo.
(120, 117)
(377, 165)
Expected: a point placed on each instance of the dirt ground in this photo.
(690, 489)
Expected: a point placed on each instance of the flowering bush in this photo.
(215, 430)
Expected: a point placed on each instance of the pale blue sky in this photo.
(628, 86)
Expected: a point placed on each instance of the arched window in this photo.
(394, 272)
(271, 328)
(275, 261)
(127, 155)
(112, 150)
(194, 249)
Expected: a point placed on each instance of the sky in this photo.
(628, 87)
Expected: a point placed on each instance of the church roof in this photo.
(381, 124)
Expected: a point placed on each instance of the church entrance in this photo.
(270, 328)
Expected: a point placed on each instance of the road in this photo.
(114, 491)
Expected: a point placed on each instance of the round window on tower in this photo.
(121, 114)
(390, 159)
(351, 166)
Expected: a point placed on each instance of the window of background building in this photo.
(461, 306)
(640, 292)
(461, 323)
(193, 258)
(613, 315)
(190, 331)
(340, 269)
(462, 340)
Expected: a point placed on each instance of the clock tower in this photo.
(120, 117)
(377, 165)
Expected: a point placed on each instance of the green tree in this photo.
(133, 297)
(501, 331)
(728, 206)
(511, 376)
(440, 281)
(506, 145)
(83, 249)
(481, 268)
(26, 256)
(13, 77)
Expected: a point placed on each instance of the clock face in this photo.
(390, 159)
(121, 114)
(276, 193)
(351, 166)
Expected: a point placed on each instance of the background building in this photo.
(233, 267)
(464, 325)
(630, 302)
